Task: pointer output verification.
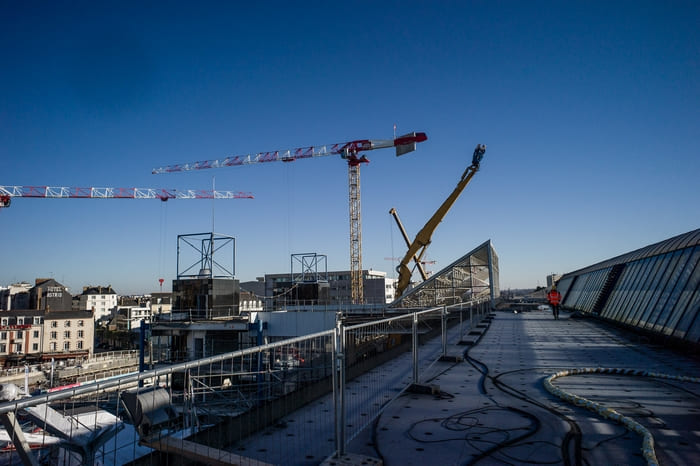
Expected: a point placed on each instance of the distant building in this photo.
(335, 290)
(15, 296)
(250, 302)
(128, 318)
(47, 328)
(161, 303)
(101, 299)
(49, 295)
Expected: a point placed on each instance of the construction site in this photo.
(312, 378)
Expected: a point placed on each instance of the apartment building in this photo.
(47, 329)
(103, 299)
(37, 335)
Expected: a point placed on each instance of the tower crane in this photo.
(350, 151)
(58, 192)
(422, 240)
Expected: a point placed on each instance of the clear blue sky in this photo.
(590, 111)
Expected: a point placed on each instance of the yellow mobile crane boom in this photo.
(423, 237)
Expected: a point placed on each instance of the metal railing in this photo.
(295, 401)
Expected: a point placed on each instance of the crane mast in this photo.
(422, 240)
(347, 150)
(356, 284)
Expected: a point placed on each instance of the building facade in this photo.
(128, 318)
(101, 299)
(333, 288)
(37, 335)
(15, 296)
(47, 328)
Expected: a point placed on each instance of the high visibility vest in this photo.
(554, 297)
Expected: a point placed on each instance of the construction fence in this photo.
(297, 401)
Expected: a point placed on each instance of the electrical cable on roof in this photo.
(574, 434)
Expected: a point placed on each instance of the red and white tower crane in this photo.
(349, 151)
(60, 192)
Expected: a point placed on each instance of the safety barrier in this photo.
(298, 400)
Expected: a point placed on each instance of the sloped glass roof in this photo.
(472, 276)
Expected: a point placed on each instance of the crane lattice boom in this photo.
(7, 192)
(344, 149)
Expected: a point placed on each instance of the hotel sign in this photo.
(54, 292)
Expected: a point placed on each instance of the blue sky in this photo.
(590, 111)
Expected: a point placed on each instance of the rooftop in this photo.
(492, 407)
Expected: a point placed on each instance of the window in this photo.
(54, 323)
(20, 320)
(80, 334)
(35, 334)
(81, 323)
(54, 335)
(3, 321)
(18, 348)
(52, 346)
(19, 334)
(66, 334)
(3, 335)
(3, 348)
(35, 346)
(66, 346)
(66, 323)
(80, 344)
(37, 320)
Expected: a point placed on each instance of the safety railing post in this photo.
(415, 347)
(444, 331)
(461, 331)
(339, 385)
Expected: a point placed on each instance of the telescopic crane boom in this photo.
(424, 235)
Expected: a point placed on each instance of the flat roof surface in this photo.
(492, 407)
(507, 416)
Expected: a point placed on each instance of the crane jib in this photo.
(343, 149)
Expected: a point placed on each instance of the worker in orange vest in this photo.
(554, 298)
